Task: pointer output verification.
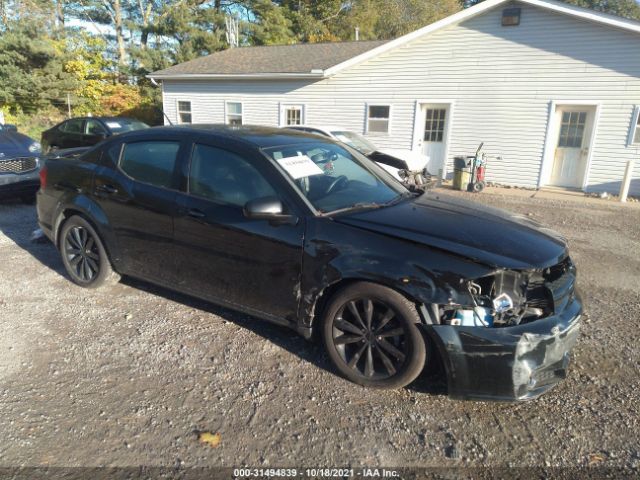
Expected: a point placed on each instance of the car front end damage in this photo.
(513, 340)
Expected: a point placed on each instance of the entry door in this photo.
(572, 150)
(433, 138)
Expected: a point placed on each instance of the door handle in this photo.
(195, 213)
(108, 189)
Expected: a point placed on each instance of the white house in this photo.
(552, 88)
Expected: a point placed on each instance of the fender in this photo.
(91, 210)
(422, 274)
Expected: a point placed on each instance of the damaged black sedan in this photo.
(308, 233)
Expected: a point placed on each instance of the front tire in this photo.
(83, 254)
(370, 334)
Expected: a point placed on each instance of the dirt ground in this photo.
(128, 375)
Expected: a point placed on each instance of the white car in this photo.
(409, 167)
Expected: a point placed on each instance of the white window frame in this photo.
(634, 133)
(178, 111)
(283, 113)
(367, 131)
(227, 113)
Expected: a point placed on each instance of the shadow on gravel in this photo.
(17, 222)
(431, 381)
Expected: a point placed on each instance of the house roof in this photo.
(304, 59)
(322, 60)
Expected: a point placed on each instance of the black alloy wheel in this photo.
(83, 254)
(371, 336)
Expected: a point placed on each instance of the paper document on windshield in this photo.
(300, 166)
(113, 125)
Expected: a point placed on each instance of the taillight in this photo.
(43, 177)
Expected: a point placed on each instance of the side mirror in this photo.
(268, 208)
(9, 127)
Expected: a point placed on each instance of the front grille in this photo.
(18, 165)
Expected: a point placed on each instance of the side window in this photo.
(112, 154)
(234, 113)
(94, 127)
(184, 112)
(150, 162)
(634, 135)
(378, 118)
(72, 126)
(225, 177)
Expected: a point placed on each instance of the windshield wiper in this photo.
(356, 207)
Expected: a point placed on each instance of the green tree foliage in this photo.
(270, 25)
(32, 73)
(102, 64)
(386, 19)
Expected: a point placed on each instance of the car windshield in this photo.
(334, 178)
(121, 125)
(355, 140)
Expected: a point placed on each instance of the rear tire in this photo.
(370, 334)
(83, 254)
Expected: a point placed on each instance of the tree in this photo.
(386, 19)
(32, 61)
(270, 25)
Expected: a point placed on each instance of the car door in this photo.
(70, 134)
(94, 132)
(136, 189)
(223, 255)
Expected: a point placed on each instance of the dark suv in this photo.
(308, 233)
(86, 131)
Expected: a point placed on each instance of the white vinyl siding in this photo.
(503, 80)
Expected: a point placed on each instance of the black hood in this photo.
(13, 144)
(488, 235)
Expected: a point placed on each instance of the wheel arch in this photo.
(322, 298)
(92, 213)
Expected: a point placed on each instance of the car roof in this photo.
(104, 119)
(324, 128)
(256, 135)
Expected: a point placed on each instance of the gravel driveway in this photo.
(130, 374)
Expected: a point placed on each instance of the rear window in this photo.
(151, 162)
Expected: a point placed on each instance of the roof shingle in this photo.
(291, 59)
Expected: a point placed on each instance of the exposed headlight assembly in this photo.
(35, 147)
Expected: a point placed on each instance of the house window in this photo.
(184, 112)
(635, 128)
(291, 115)
(234, 113)
(378, 118)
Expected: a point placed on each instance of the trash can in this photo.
(461, 173)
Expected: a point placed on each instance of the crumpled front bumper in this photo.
(510, 363)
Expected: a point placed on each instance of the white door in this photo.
(434, 136)
(572, 148)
